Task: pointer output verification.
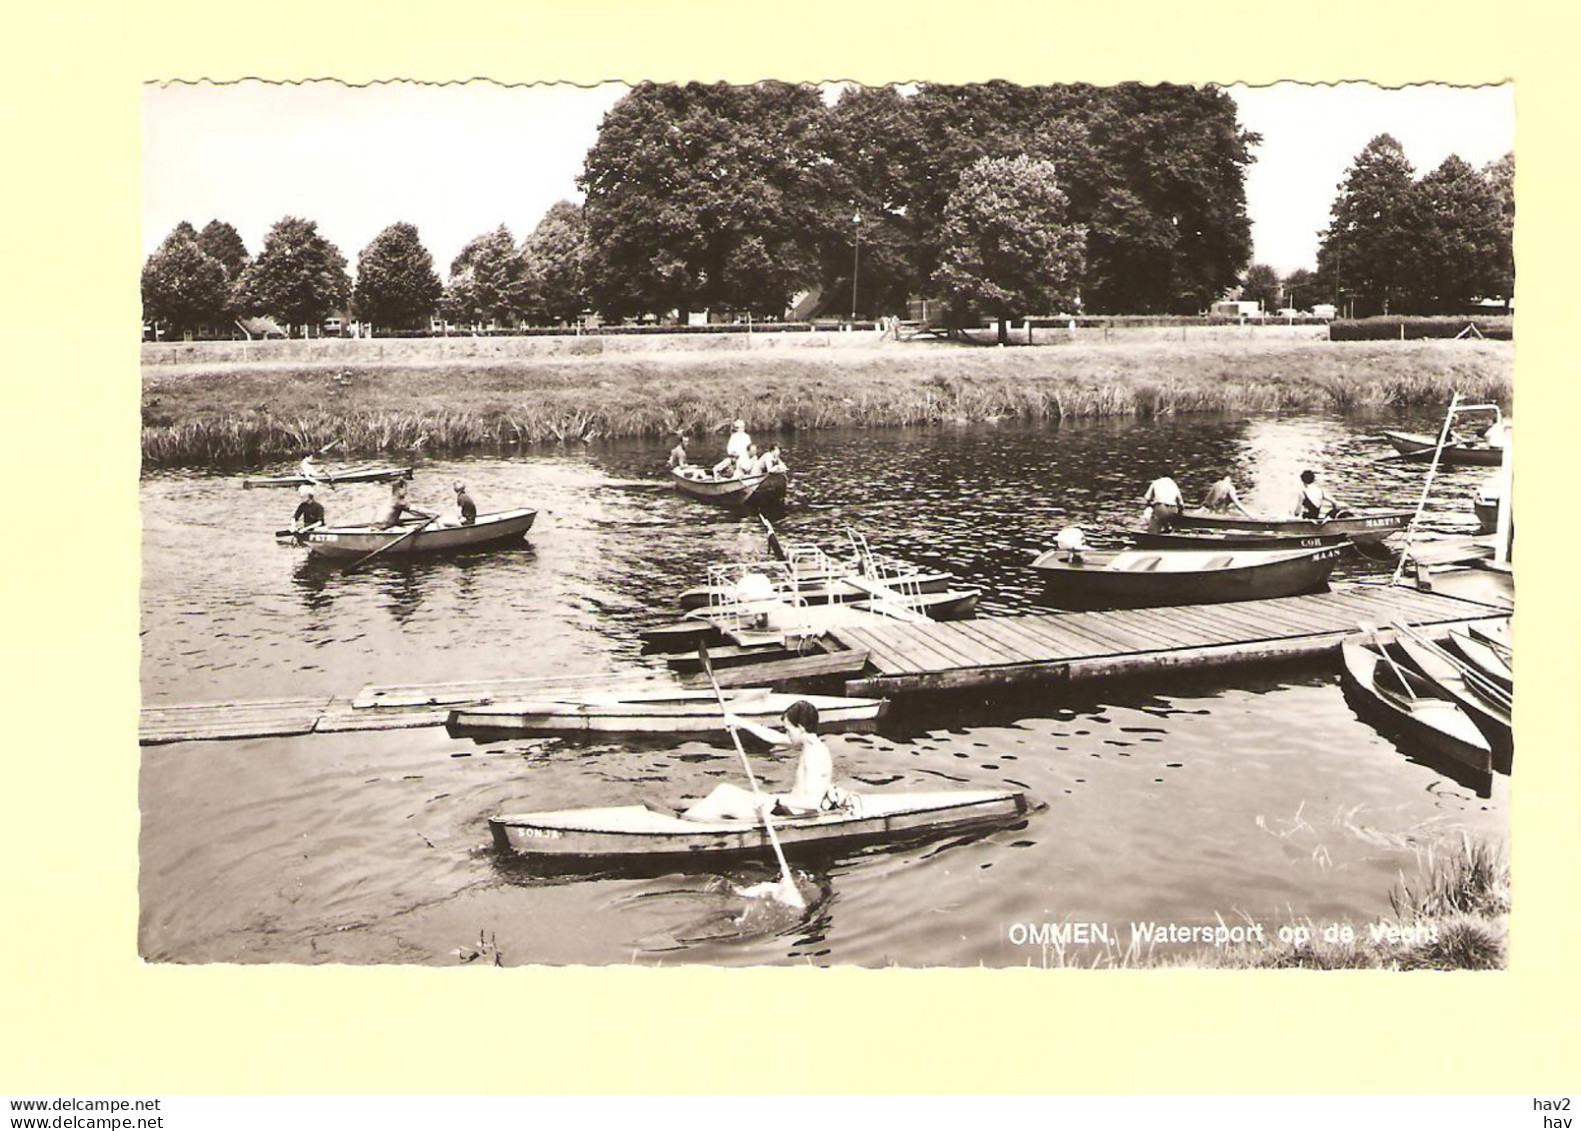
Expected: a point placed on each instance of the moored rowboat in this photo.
(1415, 445)
(1182, 577)
(1484, 659)
(654, 712)
(368, 474)
(1436, 724)
(755, 490)
(1358, 526)
(489, 530)
(1233, 540)
(1449, 682)
(636, 833)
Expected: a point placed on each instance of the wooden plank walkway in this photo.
(1063, 647)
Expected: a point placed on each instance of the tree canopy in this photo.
(1007, 248)
(183, 287)
(741, 196)
(488, 281)
(704, 195)
(1262, 286)
(1398, 244)
(299, 277)
(555, 258)
(396, 285)
(224, 243)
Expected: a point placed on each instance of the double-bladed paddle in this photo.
(786, 890)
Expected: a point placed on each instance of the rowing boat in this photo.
(1359, 526)
(630, 834)
(1433, 723)
(1232, 540)
(495, 529)
(740, 491)
(1486, 507)
(368, 474)
(1465, 453)
(1481, 656)
(653, 712)
(1182, 577)
(1449, 681)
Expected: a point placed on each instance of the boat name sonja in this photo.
(541, 834)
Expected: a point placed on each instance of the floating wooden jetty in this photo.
(889, 657)
(1060, 648)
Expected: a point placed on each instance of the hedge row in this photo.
(1500, 327)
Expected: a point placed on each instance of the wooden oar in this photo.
(360, 562)
(1468, 671)
(297, 533)
(1372, 632)
(786, 890)
(774, 539)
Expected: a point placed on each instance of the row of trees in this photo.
(1005, 199)
(299, 278)
(1398, 244)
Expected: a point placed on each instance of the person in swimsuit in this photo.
(1221, 497)
(1314, 502)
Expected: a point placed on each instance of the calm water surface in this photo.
(1241, 795)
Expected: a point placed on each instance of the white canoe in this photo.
(632, 833)
(655, 712)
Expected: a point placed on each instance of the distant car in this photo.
(1289, 312)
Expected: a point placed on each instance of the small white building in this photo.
(1323, 310)
(1236, 308)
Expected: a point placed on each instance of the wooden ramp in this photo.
(1063, 647)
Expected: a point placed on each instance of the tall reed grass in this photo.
(252, 413)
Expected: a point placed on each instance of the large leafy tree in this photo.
(1008, 247)
(488, 281)
(1365, 254)
(704, 195)
(396, 285)
(1460, 245)
(555, 258)
(1262, 286)
(1156, 173)
(224, 243)
(299, 277)
(182, 287)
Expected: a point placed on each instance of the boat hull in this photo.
(636, 835)
(489, 530)
(676, 712)
(1414, 445)
(1363, 526)
(350, 475)
(1429, 723)
(1091, 584)
(1450, 683)
(751, 490)
(1233, 540)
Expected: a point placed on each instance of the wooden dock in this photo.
(900, 658)
(1064, 647)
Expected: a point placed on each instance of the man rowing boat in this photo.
(394, 512)
(812, 791)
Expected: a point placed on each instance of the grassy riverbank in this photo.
(248, 413)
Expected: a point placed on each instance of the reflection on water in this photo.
(1240, 793)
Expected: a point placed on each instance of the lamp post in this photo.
(856, 259)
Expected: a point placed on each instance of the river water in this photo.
(1251, 796)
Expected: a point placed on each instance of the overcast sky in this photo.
(458, 160)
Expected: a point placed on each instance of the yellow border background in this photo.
(80, 1013)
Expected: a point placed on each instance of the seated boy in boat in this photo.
(395, 511)
(812, 791)
(678, 456)
(771, 462)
